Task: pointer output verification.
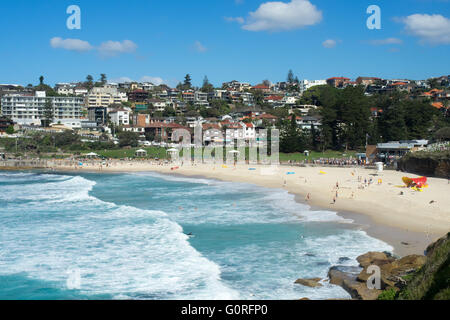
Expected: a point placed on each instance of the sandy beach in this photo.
(406, 219)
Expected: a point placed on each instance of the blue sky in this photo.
(246, 40)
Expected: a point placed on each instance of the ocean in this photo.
(152, 236)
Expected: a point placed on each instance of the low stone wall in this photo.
(15, 164)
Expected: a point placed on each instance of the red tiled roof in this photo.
(164, 125)
(260, 86)
(339, 78)
(266, 116)
(277, 98)
(438, 105)
(207, 126)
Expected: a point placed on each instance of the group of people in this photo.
(338, 162)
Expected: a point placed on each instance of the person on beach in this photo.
(334, 200)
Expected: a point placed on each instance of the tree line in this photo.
(350, 119)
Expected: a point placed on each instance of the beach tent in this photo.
(141, 153)
(92, 155)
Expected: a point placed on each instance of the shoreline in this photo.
(407, 231)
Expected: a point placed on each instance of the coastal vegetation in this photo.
(431, 281)
(351, 119)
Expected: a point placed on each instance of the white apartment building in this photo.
(70, 89)
(29, 109)
(120, 117)
(158, 104)
(304, 108)
(240, 131)
(105, 96)
(64, 89)
(289, 100)
(306, 84)
(201, 98)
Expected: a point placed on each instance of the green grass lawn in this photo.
(152, 152)
(161, 153)
(316, 155)
(156, 152)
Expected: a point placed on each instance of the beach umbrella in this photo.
(173, 150)
(234, 152)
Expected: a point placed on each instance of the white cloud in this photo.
(199, 47)
(239, 20)
(329, 43)
(120, 80)
(388, 41)
(433, 29)
(281, 16)
(70, 44)
(113, 48)
(155, 80)
(106, 49)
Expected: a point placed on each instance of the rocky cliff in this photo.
(413, 277)
(432, 164)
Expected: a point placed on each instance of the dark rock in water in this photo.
(312, 283)
(310, 254)
(343, 259)
(322, 263)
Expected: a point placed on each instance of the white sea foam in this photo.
(118, 250)
(128, 252)
(176, 178)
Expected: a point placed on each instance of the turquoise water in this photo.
(124, 236)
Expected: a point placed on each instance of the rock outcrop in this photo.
(413, 277)
(354, 280)
(312, 283)
(347, 278)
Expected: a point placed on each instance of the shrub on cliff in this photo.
(432, 281)
(443, 134)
